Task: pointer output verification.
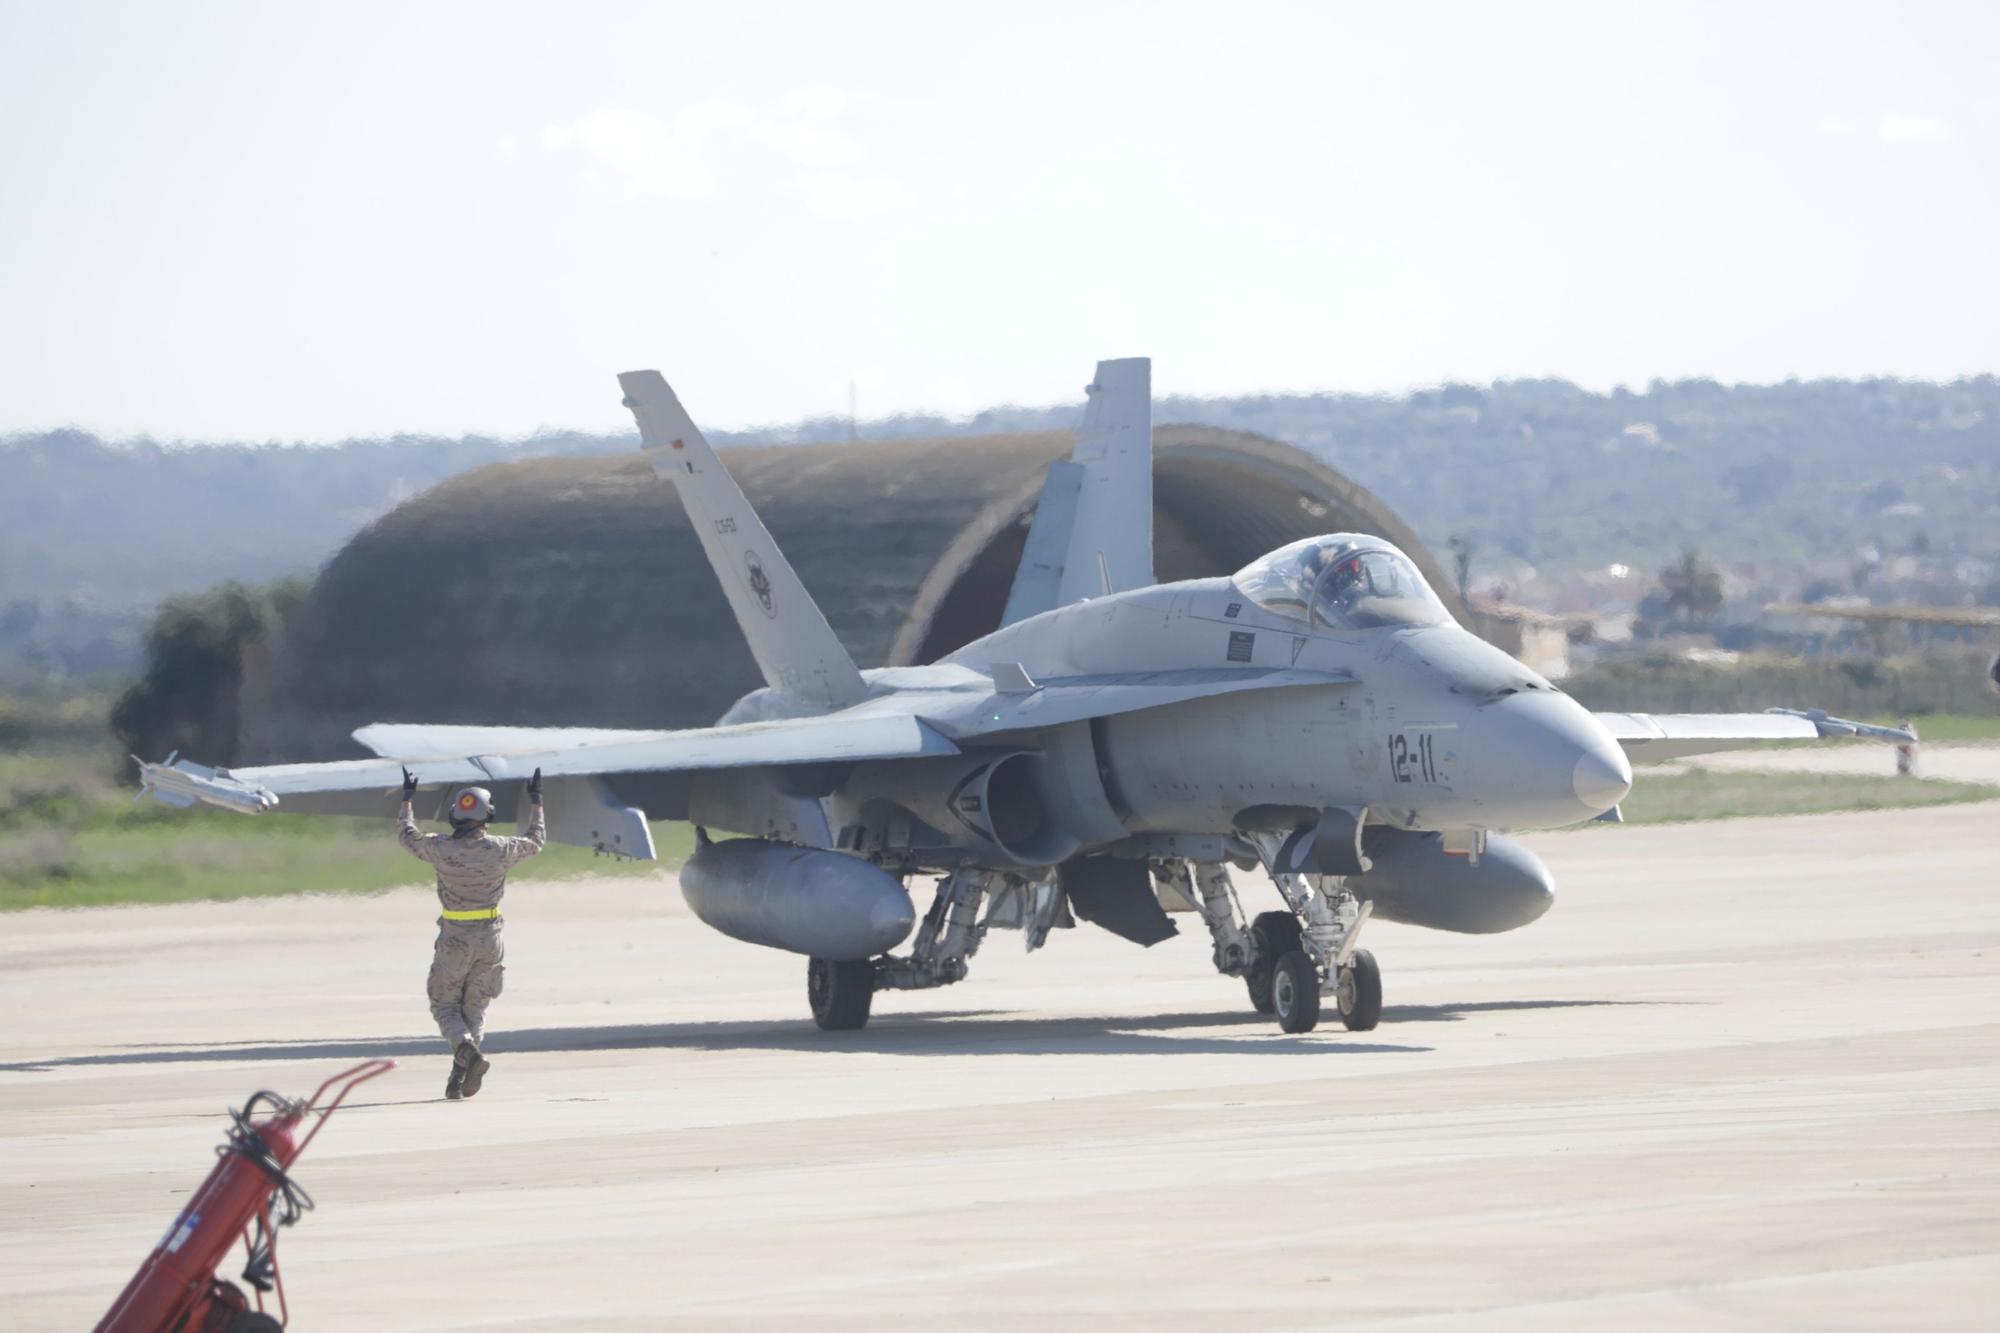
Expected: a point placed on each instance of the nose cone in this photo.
(1602, 777)
(1547, 762)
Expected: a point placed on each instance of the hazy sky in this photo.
(277, 221)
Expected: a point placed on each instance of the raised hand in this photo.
(409, 785)
(535, 788)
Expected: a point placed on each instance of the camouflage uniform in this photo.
(466, 966)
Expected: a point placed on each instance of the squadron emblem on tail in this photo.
(760, 584)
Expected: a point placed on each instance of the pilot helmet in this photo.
(1345, 574)
(473, 805)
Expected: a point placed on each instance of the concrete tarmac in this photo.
(1745, 1075)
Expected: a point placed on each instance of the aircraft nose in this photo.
(1555, 764)
(1602, 776)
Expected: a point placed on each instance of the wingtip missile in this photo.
(183, 783)
(1831, 727)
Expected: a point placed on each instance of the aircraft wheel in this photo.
(1295, 992)
(1358, 991)
(840, 992)
(1276, 934)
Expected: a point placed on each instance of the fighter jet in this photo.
(1107, 753)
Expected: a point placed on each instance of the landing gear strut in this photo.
(950, 933)
(1309, 951)
(841, 992)
(1288, 960)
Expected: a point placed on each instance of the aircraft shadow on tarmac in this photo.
(929, 1033)
(1458, 1013)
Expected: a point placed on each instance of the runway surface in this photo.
(1745, 1075)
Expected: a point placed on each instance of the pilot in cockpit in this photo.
(1342, 581)
(1338, 586)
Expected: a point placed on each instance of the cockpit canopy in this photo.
(1342, 581)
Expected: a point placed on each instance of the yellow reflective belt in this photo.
(476, 914)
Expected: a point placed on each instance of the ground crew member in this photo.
(466, 966)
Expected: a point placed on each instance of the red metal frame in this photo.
(181, 1290)
(349, 1080)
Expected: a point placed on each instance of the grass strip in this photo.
(174, 856)
(1700, 793)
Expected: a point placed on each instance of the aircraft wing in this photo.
(452, 755)
(1676, 735)
(1020, 703)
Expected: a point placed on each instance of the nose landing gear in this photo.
(1358, 992)
(1295, 992)
(1311, 951)
(1288, 960)
(1275, 935)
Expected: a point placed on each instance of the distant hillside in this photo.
(92, 534)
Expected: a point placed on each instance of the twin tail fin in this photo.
(795, 648)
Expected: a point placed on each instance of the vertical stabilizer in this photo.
(794, 646)
(1038, 578)
(1098, 535)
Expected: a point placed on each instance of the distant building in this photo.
(1537, 638)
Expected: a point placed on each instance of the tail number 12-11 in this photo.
(1413, 756)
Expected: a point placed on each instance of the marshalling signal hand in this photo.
(409, 785)
(535, 788)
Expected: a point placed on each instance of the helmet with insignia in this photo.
(473, 805)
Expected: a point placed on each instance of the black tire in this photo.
(840, 992)
(1275, 934)
(1359, 992)
(1295, 992)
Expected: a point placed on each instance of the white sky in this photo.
(274, 221)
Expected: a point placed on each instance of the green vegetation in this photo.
(1698, 793)
(51, 716)
(1692, 588)
(1943, 679)
(1949, 728)
(196, 654)
(71, 837)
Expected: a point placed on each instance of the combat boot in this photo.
(471, 1069)
(462, 1060)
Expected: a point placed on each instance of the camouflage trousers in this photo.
(466, 974)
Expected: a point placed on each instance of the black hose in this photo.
(288, 1201)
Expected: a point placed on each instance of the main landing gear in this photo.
(841, 992)
(1290, 961)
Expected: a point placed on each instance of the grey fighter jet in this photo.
(1106, 754)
